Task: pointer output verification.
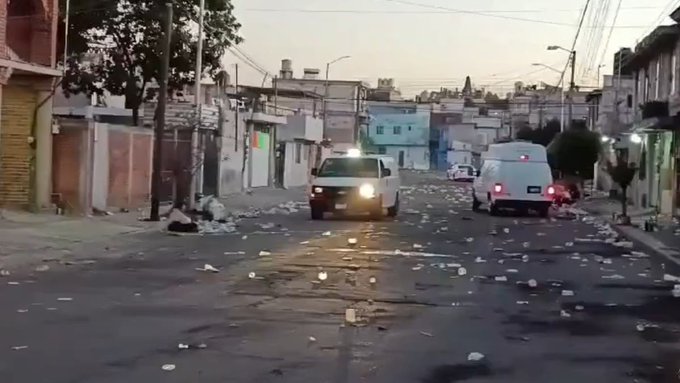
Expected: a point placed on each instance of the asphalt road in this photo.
(121, 319)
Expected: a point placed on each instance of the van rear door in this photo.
(526, 181)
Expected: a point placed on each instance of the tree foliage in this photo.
(542, 136)
(575, 152)
(622, 174)
(115, 45)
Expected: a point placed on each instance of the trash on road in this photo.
(469, 239)
(304, 243)
(565, 314)
(624, 244)
(475, 357)
(326, 234)
(350, 316)
(579, 308)
(522, 302)
(480, 260)
(352, 241)
(526, 245)
(512, 271)
(671, 278)
(251, 275)
(417, 246)
(323, 275)
(265, 253)
(506, 230)
(569, 244)
(4, 273)
(525, 258)
(42, 268)
(532, 283)
(425, 333)
(462, 271)
(614, 276)
(372, 280)
(244, 237)
(168, 367)
(65, 299)
(208, 269)
(567, 293)
(417, 267)
(501, 278)
(311, 339)
(19, 348)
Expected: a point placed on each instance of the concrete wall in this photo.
(458, 157)
(231, 178)
(296, 164)
(415, 157)
(414, 129)
(301, 127)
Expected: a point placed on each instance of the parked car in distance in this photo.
(461, 172)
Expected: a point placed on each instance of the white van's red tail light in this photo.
(498, 188)
(551, 190)
(524, 157)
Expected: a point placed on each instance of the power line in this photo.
(609, 36)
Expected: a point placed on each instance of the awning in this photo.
(656, 124)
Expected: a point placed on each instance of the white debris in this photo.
(244, 237)
(177, 216)
(567, 293)
(425, 333)
(209, 268)
(352, 241)
(462, 271)
(579, 308)
(501, 278)
(526, 245)
(671, 278)
(512, 271)
(234, 253)
(525, 258)
(13, 283)
(251, 275)
(532, 283)
(312, 339)
(469, 239)
(42, 268)
(22, 311)
(350, 316)
(326, 234)
(372, 280)
(304, 243)
(65, 299)
(183, 346)
(607, 261)
(322, 275)
(4, 273)
(417, 268)
(417, 246)
(565, 314)
(624, 244)
(475, 357)
(168, 367)
(522, 302)
(19, 348)
(265, 253)
(216, 227)
(615, 276)
(480, 260)
(506, 230)
(569, 244)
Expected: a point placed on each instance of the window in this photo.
(409, 128)
(298, 152)
(671, 72)
(382, 150)
(629, 101)
(397, 129)
(379, 129)
(349, 167)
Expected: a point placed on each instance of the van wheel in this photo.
(475, 202)
(493, 210)
(394, 210)
(317, 214)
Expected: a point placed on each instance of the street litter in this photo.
(168, 367)
(462, 271)
(180, 223)
(18, 348)
(501, 278)
(522, 302)
(234, 253)
(264, 253)
(569, 244)
(312, 339)
(347, 258)
(526, 245)
(352, 241)
(579, 308)
(469, 239)
(42, 268)
(567, 293)
(512, 271)
(372, 280)
(304, 243)
(251, 275)
(615, 276)
(565, 314)
(350, 316)
(671, 278)
(676, 291)
(426, 334)
(65, 299)
(480, 260)
(475, 357)
(417, 268)
(266, 226)
(323, 275)
(624, 244)
(326, 234)
(506, 230)
(417, 246)
(525, 258)
(4, 273)
(22, 311)
(244, 237)
(208, 268)
(532, 283)
(13, 283)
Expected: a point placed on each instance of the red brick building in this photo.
(28, 53)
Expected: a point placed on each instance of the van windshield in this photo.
(349, 167)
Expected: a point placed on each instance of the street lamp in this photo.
(325, 97)
(561, 93)
(572, 85)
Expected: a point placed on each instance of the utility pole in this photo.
(572, 87)
(325, 102)
(198, 100)
(237, 111)
(160, 119)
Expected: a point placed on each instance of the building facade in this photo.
(28, 53)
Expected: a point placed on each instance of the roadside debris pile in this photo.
(287, 208)
(214, 219)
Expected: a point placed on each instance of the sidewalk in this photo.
(29, 238)
(665, 241)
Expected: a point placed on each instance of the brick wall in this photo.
(67, 149)
(15, 152)
(32, 36)
(130, 156)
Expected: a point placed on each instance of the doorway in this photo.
(401, 158)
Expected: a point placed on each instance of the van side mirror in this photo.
(478, 173)
(315, 171)
(386, 172)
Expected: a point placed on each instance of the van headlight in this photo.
(367, 191)
(317, 190)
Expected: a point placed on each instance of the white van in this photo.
(355, 183)
(514, 175)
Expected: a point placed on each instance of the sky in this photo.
(427, 44)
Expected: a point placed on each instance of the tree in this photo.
(115, 46)
(542, 136)
(575, 153)
(623, 174)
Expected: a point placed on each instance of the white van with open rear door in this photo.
(514, 175)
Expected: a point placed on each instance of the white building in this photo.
(298, 143)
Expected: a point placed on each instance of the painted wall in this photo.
(260, 159)
(400, 129)
(296, 165)
(415, 157)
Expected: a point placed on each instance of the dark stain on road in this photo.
(449, 373)
(573, 327)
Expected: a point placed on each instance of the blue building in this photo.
(401, 130)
